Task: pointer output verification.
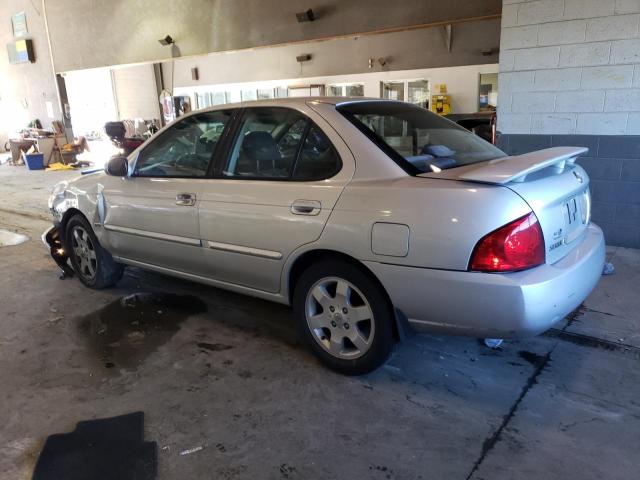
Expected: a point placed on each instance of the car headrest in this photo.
(260, 146)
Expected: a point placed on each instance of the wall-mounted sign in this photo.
(19, 24)
(21, 51)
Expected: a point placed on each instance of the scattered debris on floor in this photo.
(191, 450)
(54, 320)
(608, 269)
(493, 342)
(102, 449)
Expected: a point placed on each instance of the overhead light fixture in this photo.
(382, 61)
(303, 58)
(307, 16)
(166, 41)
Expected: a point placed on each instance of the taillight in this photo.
(516, 246)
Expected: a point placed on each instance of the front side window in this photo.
(280, 144)
(418, 140)
(184, 150)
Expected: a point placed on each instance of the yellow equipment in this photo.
(441, 103)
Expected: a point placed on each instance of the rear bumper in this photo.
(495, 305)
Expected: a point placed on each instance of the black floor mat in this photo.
(104, 449)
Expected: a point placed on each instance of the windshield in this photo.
(418, 140)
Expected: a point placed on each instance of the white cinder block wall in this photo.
(570, 67)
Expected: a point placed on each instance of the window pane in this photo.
(218, 98)
(393, 90)
(335, 91)
(288, 143)
(267, 143)
(419, 140)
(281, 92)
(355, 90)
(265, 93)
(248, 95)
(419, 93)
(203, 100)
(349, 90)
(232, 97)
(488, 92)
(318, 159)
(184, 150)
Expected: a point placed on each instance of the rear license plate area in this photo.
(576, 215)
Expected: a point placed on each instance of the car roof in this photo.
(292, 101)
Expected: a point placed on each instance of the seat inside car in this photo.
(259, 154)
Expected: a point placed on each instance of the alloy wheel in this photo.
(339, 318)
(85, 252)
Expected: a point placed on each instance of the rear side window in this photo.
(185, 149)
(318, 159)
(418, 140)
(280, 144)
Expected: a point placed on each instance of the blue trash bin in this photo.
(35, 161)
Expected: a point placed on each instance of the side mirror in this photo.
(117, 166)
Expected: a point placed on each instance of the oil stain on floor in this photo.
(123, 333)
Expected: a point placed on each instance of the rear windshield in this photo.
(418, 140)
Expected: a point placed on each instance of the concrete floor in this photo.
(234, 381)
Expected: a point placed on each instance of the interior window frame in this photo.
(220, 145)
(232, 138)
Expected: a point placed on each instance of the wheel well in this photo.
(65, 218)
(307, 259)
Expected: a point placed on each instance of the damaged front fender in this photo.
(61, 202)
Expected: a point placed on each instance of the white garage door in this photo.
(135, 90)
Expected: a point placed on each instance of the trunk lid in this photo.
(556, 189)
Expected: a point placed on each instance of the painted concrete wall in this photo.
(462, 83)
(97, 33)
(25, 88)
(570, 67)
(87, 34)
(570, 75)
(424, 48)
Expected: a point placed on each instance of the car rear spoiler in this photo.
(516, 168)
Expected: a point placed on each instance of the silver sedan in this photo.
(371, 218)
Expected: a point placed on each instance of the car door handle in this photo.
(186, 199)
(306, 207)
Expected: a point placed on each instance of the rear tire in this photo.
(94, 266)
(344, 317)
